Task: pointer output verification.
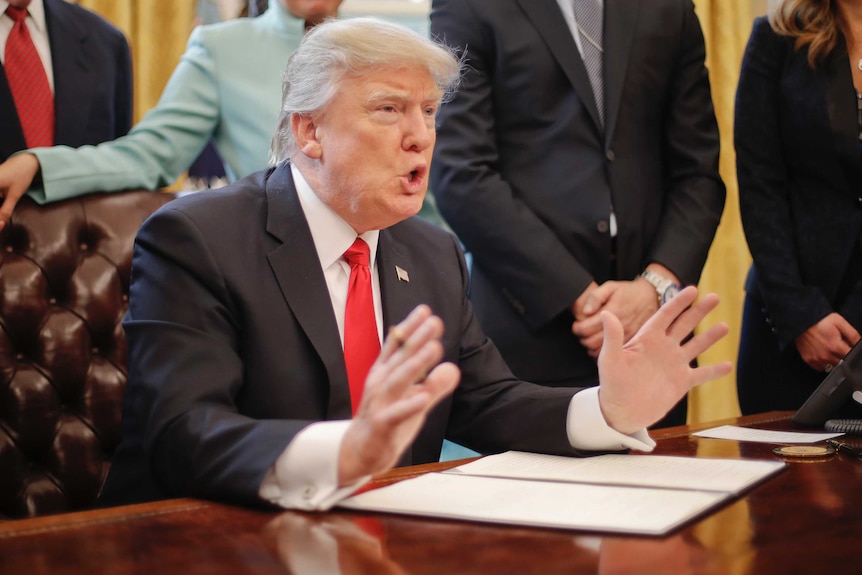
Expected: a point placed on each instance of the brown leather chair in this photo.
(64, 284)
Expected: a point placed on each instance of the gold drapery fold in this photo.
(726, 26)
(157, 32)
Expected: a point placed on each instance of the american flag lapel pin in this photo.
(402, 274)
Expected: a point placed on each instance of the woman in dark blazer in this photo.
(799, 165)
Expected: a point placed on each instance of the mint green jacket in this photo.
(227, 87)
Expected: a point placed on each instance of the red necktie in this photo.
(361, 342)
(28, 83)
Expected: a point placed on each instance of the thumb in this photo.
(596, 299)
(613, 333)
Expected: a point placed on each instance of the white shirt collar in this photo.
(331, 234)
(36, 10)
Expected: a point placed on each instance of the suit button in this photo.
(859, 200)
(602, 226)
(610, 155)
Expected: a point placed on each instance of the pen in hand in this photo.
(845, 448)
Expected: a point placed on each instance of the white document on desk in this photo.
(736, 433)
(666, 471)
(618, 497)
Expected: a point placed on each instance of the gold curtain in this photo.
(157, 31)
(726, 26)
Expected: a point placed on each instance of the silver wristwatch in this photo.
(664, 287)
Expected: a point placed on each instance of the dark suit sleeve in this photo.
(695, 194)
(186, 372)
(489, 400)
(521, 252)
(764, 186)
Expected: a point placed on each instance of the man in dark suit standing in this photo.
(65, 67)
(257, 367)
(579, 164)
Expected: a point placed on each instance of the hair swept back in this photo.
(336, 48)
(815, 24)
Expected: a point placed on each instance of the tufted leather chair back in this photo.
(64, 284)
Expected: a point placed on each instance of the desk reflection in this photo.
(316, 544)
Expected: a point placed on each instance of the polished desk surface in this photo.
(807, 520)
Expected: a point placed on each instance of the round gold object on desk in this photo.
(803, 451)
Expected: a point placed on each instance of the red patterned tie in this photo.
(361, 342)
(28, 83)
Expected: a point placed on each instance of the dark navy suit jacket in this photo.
(800, 181)
(799, 167)
(92, 81)
(234, 347)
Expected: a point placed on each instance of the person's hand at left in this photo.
(16, 175)
(642, 379)
(404, 384)
(632, 302)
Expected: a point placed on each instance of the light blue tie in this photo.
(588, 16)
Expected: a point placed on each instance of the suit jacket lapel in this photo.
(397, 295)
(298, 272)
(620, 22)
(546, 17)
(395, 292)
(73, 77)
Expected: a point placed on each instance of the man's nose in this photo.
(419, 130)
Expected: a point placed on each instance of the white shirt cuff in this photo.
(588, 430)
(305, 475)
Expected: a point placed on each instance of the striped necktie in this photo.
(28, 83)
(589, 18)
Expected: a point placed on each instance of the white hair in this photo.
(335, 48)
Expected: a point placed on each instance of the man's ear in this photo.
(305, 133)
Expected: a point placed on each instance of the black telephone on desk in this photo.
(836, 404)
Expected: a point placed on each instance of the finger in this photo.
(703, 341)
(400, 376)
(7, 207)
(597, 298)
(689, 319)
(593, 343)
(431, 328)
(848, 333)
(442, 381)
(671, 311)
(587, 327)
(398, 334)
(707, 373)
(842, 348)
(420, 399)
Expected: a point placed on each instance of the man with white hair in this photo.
(257, 368)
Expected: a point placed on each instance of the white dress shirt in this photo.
(305, 476)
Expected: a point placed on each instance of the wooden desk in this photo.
(806, 520)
